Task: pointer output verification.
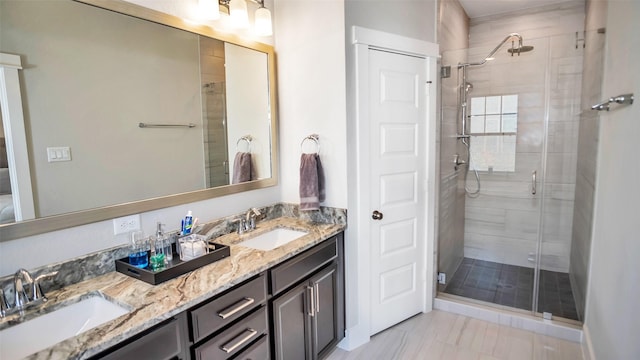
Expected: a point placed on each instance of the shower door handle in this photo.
(534, 182)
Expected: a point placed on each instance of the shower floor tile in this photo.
(511, 285)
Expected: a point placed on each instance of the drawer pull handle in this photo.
(247, 301)
(239, 341)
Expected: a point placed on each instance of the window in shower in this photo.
(494, 125)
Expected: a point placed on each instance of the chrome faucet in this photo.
(249, 221)
(22, 297)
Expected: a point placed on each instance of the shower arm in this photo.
(512, 35)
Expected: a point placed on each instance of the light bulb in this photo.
(262, 19)
(238, 14)
(208, 9)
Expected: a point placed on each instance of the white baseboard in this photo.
(354, 338)
(537, 325)
(587, 345)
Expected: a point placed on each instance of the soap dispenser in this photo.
(166, 243)
(157, 258)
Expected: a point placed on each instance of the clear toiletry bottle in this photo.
(157, 258)
(166, 244)
(138, 256)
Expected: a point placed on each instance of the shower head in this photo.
(513, 37)
(520, 49)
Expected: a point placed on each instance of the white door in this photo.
(397, 103)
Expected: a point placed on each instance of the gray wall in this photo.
(410, 18)
(612, 319)
(453, 34)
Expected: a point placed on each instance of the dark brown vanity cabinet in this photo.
(308, 319)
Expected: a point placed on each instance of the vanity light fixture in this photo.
(238, 14)
(209, 9)
(262, 20)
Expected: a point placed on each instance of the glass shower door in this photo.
(566, 205)
(506, 113)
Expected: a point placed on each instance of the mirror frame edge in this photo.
(47, 224)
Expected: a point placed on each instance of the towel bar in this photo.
(146, 125)
(624, 99)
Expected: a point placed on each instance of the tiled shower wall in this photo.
(212, 71)
(587, 151)
(501, 224)
(453, 29)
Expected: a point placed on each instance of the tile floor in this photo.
(513, 286)
(443, 335)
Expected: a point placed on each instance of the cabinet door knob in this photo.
(377, 215)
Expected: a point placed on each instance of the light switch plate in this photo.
(61, 153)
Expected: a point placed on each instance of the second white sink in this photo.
(273, 239)
(18, 341)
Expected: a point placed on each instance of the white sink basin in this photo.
(273, 239)
(24, 339)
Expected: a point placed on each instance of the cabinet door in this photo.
(325, 322)
(292, 335)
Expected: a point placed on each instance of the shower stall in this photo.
(507, 204)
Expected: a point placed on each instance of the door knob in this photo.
(377, 215)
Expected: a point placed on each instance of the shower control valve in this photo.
(458, 161)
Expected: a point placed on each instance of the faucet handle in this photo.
(4, 304)
(21, 298)
(242, 226)
(37, 289)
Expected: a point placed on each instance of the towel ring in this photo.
(313, 137)
(246, 138)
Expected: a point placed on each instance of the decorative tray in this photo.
(175, 268)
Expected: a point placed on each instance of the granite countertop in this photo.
(151, 304)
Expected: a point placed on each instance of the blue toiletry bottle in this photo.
(188, 223)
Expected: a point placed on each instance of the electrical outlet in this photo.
(125, 224)
(442, 278)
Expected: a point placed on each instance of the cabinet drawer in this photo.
(162, 342)
(234, 339)
(301, 266)
(257, 351)
(228, 307)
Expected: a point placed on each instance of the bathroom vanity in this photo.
(304, 295)
(287, 302)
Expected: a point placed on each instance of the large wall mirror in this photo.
(127, 110)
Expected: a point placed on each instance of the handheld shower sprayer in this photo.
(464, 88)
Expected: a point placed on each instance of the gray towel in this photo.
(312, 191)
(241, 168)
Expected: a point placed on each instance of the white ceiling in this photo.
(479, 8)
